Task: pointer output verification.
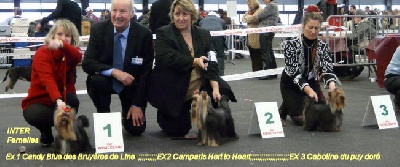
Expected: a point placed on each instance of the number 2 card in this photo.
(266, 116)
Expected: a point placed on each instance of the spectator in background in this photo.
(144, 13)
(253, 40)
(201, 16)
(341, 11)
(134, 18)
(386, 21)
(352, 11)
(105, 14)
(67, 9)
(212, 22)
(224, 16)
(89, 15)
(371, 12)
(145, 19)
(359, 40)
(395, 25)
(16, 10)
(298, 17)
(349, 20)
(159, 14)
(268, 17)
(202, 13)
(18, 14)
(323, 7)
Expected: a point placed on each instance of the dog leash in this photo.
(313, 55)
(65, 79)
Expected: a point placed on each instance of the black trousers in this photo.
(256, 60)
(218, 45)
(100, 91)
(267, 54)
(42, 116)
(293, 97)
(392, 85)
(176, 126)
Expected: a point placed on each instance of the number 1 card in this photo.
(266, 120)
(108, 132)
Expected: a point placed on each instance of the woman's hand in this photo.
(61, 105)
(311, 93)
(53, 44)
(216, 95)
(332, 86)
(201, 62)
(215, 87)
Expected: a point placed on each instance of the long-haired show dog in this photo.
(325, 117)
(71, 135)
(15, 73)
(214, 124)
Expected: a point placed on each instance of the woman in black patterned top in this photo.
(307, 61)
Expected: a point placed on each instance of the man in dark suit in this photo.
(67, 9)
(159, 15)
(118, 60)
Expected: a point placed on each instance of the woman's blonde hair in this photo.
(254, 3)
(184, 5)
(68, 28)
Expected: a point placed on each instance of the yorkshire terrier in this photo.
(71, 135)
(214, 124)
(325, 117)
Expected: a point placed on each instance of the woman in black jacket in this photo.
(181, 68)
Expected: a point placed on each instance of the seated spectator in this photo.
(386, 21)
(7, 21)
(358, 40)
(18, 15)
(392, 78)
(363, 33)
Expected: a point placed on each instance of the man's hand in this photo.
(137, 116)
(124, 77)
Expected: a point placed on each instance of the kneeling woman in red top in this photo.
(53, 78)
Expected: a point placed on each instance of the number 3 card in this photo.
(380, 111)
(108, 132)
(266, 120)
